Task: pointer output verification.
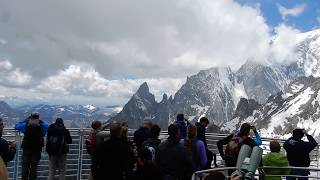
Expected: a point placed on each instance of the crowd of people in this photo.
(177, 157)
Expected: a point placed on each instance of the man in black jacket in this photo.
(114, 158)
(298, 151)
(57, 147)
(201, 135)
(7, 150)
(172, 157)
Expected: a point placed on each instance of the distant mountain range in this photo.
(74, 115)
(216, 92)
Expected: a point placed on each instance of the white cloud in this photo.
(75, 53)
(284, 44)
(84, 80)
(5, 65)
(295, 11)
(13, 76)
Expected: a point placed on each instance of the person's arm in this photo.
(44, 127)
(7, 152)
(202, 154)
(311, 144)
(222, 142)
(68, 137)
(21, 125)
(258, 140)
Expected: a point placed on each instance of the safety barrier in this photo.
(79, 162)
(259, 174)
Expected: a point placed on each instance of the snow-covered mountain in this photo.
(298, 107)
(73, 115)
(8, 114)
(215, 92)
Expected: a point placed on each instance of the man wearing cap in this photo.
(7, 150)
(34, 130)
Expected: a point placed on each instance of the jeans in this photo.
(57, 163)
(30, 161)
(299, 172)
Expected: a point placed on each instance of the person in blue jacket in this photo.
(182, 123)
(34, 131)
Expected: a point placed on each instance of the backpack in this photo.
(234, 146)
(33, 136)
(91, 144)
(56, 140)
(56, 145)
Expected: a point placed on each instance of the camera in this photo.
(248, 161)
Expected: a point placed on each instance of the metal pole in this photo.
(16, 162)
(80, 154)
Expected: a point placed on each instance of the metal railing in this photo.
(79, 162)
(199, 175)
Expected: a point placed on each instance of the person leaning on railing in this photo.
(234, 142)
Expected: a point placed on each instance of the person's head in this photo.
(115, 129)
(215, 175)
(34, 115)
(173, 131)
(245, 129)
(59, 120)
(191, 131)
(1, 126)
(204, 121)
(297, 133)
(180, 117)
(96, 125)
(124, 131)
(147, 123)
(275, 146)
(155, 131)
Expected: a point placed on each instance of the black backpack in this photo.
(56, 142)
(33, 136)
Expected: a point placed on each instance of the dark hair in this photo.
(59, 121)
(34, 115)
(96, 125)
(215, 175)
(204, 120)
(297, 133)
(245, 129)
(275, 146)
(173, 130)
(180, 117)
(155, 131)
(115, 129)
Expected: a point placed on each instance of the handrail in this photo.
(78, 160)
(207, 171)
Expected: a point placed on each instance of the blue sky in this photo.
(307, 20)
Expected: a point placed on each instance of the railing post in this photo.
(16, 162)
(80, 154)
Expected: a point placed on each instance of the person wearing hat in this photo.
(34, 131)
